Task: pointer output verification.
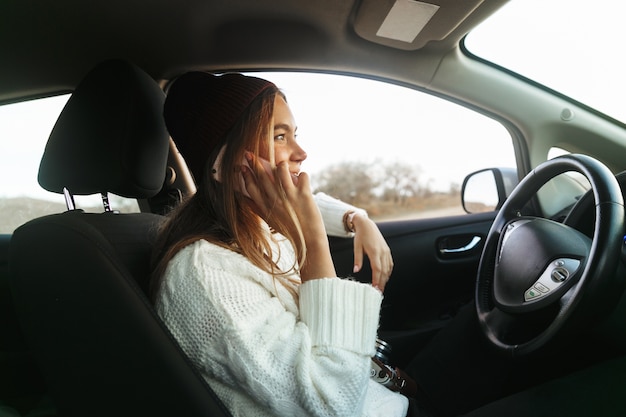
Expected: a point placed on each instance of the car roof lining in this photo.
(241, 34)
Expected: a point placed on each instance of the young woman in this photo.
(244, 277)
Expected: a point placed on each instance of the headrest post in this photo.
(69, 199)
(105, 201)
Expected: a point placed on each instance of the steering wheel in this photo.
(536, 276)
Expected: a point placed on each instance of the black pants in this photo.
(458, 371)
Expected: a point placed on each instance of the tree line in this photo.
(384, 188)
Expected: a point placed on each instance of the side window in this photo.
(24, 130)
(397, 152)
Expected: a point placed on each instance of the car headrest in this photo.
(110, 136)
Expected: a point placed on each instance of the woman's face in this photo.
(286, 147)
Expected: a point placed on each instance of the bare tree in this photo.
(350, 181)
(385, 189)
(401, 182)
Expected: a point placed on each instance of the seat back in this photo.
(77, 277)
(22, 390)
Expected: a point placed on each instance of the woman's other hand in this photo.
(368, 240)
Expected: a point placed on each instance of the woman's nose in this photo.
(298, 153)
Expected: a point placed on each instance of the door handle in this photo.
(471, 245)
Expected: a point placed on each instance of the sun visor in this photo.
(410, 24)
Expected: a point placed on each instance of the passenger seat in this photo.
(79, 278)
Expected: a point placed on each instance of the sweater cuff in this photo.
(341, 313)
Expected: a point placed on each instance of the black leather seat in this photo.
(77, 277)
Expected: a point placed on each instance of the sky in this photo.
(573, 46)
(24, 130)
(394, 122)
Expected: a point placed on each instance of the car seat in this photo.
(78, 279)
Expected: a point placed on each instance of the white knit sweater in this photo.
(332, 211)
(265, 354)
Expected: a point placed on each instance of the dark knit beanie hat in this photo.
(200, 110)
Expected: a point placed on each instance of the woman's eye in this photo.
(280, 137)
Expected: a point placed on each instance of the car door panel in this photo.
(435, 264)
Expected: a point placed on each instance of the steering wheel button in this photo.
(559, 274)
(542, 288)
(532, 294)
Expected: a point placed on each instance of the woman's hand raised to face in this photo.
(265, 192)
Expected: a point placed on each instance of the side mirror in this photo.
(487, 189)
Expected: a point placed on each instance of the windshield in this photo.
(575, 47)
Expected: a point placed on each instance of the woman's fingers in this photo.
(289, 180)
(369, 241)
(264, 187)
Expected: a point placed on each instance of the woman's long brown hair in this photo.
(220, 214)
